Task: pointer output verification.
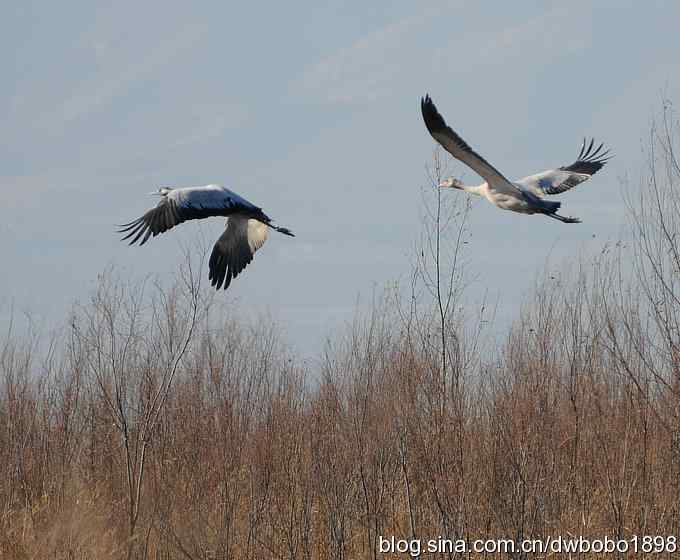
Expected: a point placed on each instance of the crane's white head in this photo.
(451, 183)
(162, 191)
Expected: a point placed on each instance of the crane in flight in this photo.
(524, 195)
(245, 232)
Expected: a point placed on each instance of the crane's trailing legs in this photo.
(565, 219)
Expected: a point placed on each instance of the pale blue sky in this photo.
(313, 113)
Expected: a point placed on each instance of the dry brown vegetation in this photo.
(153, 427)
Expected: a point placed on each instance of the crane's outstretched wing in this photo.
(556, 181)
(235, 248)
(458, 148)
(189, 203)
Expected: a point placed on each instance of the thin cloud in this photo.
(365, 70)
(120, 76)
(563, 29)
(211, 121)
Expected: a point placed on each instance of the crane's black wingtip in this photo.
(434, 122)
(590, 159)
(127, 227)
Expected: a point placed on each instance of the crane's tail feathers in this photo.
(283, 230)
(551, 206)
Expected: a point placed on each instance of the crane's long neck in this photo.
(474, 189)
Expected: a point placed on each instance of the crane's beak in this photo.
(449, 184)
(156, 193)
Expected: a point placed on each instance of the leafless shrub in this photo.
(159, 424)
